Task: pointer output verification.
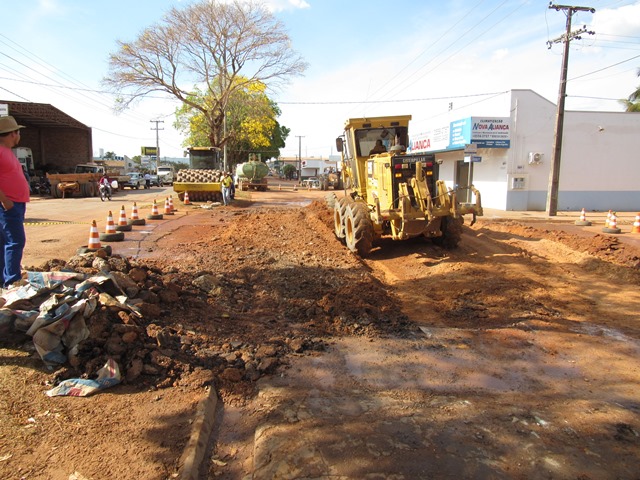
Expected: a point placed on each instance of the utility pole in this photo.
(300, 137)
(157, 129)
(554, 174)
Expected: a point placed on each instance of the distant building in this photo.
(120, 162)
(57, 141)
(311, 166)
(510, 156)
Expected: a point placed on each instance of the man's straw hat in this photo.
(9, 124)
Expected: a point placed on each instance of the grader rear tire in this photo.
(358, 229)
(451, 233)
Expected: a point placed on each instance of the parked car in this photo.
(136, 180)
(311, 182)
(154, 181)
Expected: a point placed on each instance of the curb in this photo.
(196, 447)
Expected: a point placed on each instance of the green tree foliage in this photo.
(177, 165)
(137, 161)
(251, 124)
(288, 170)
(632, 104)
(225, 48)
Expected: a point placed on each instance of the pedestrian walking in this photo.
(227, 183)
(14, 195)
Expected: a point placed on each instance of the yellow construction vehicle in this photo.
(391, 193)
(202, 178)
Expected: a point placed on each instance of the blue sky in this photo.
(366, 58)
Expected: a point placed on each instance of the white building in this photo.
(312, 166)
(600, 161)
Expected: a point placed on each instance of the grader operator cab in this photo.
(202, 179)
(391, 193)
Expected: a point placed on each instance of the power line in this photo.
(479, 23)
(593, 98)
(78, 88)
(428, 99)
(431, 45)
(12, 93)
(605, 68)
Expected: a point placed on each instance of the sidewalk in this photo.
(565, 221)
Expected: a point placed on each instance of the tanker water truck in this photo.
(252, 174)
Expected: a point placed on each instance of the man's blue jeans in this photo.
(12, 242)
(226, 195)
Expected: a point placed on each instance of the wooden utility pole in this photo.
(554, 174)
(300, 137)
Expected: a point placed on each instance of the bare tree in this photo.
(218, 47)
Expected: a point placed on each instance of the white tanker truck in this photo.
(252, 174)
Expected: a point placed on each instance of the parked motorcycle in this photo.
(41, 186)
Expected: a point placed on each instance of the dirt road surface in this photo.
(513, 356)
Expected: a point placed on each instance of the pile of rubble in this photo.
(165, 327)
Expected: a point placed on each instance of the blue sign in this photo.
(460, 133)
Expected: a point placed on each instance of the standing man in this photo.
(227, 182)
(14, 195)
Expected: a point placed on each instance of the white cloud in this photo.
(620, 21)
(500, 54)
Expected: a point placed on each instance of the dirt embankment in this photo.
(240, 293)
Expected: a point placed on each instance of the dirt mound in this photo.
(229, 306)
(605, 247)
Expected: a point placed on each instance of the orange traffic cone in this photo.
(110, 234)
(94, 237)
(608, 220)
(171, 207)
(123, 224)
(154, 212)
(186, 199)
(167, 207)
(612, 225)
(583, 220)
(636, 224)
(110, 227)
(135, 218)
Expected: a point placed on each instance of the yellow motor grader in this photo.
(391, 193)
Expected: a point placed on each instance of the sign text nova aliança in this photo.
(485, 132)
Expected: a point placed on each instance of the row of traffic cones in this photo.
(610, 224)
(115, 232)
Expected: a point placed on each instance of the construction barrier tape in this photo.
(56, 223)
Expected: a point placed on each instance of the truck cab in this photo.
(25, 157)
(166, 175)
(364, 137)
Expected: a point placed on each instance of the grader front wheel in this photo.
(358, 229)
(339, 212)
(451, 233)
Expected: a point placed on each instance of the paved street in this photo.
(57, 227)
